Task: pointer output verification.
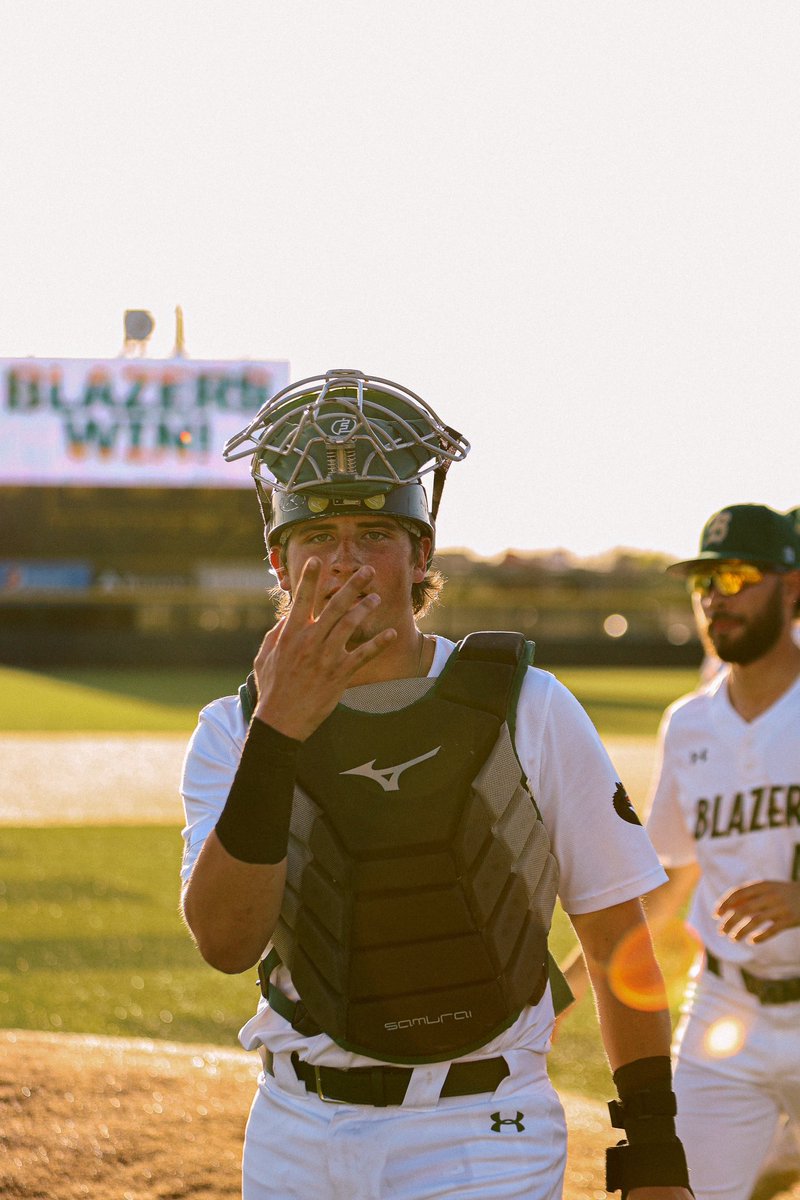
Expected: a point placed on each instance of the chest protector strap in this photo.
(420, 882)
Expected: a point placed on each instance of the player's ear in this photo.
(791, 589)
(422, 554)
(277, 561)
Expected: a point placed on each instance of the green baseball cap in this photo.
(750, 533)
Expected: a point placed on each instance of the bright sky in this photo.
(572, 226)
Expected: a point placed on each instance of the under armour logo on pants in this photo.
(498, 1122)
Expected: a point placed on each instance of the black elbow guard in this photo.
(652, 1155)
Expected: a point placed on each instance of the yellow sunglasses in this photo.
(728, 581)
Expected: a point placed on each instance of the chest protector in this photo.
(420, 884)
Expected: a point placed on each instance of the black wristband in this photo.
(254, 824)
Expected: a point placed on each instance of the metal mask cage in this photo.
(348, 433)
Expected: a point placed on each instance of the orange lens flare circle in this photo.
(633, 973)
(678, 950)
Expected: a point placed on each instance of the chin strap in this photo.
(652, 1155)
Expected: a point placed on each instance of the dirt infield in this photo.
(86, 1118)
(70, 779)
(85, 779)
(110, 1119)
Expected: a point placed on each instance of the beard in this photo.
(752, 638)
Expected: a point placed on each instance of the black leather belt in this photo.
(384, 1086)
(767, 991)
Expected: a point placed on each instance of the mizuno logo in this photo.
(389, 777)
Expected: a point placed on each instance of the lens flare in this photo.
(678, 950)
(724, 1037)
(633, 974)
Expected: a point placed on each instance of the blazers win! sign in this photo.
(128, 422)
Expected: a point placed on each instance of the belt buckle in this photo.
(318, 1081)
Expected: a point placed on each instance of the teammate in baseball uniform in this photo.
(724, 816)
(382, 820)
(711, 660)
(782, 1163)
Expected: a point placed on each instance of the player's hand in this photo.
(305, 663)
(758, 911)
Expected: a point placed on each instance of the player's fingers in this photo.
(749, 908)
(781, 921)
(738, 898)
(745, 918)
(370, 649)
(270, 639)
(341, 600)
(770, 916)
(758, 911)
(742, 931)
(304, 596)
(769, 931)
(341, 633)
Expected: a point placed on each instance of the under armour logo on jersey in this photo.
(389, 777)
(498, 1122)
(623, 807)
(698, 756)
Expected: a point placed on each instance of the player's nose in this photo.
(346, 557)
(715, 604)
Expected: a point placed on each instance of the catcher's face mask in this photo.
(346, 443)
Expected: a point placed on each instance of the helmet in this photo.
(345, 443)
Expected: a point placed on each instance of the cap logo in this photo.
(342, 426)
(717, 529)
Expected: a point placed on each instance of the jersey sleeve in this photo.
(604, 855)
(209, 766)
(664, 819)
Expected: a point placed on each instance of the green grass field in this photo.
(92, 938)
(627, 700)
(619, 701)
(85, 700)
(93, 944)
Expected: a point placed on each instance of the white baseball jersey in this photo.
(727, 795)
(604, 855)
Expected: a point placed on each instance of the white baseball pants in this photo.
(737, 1069)
(510, 1145)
